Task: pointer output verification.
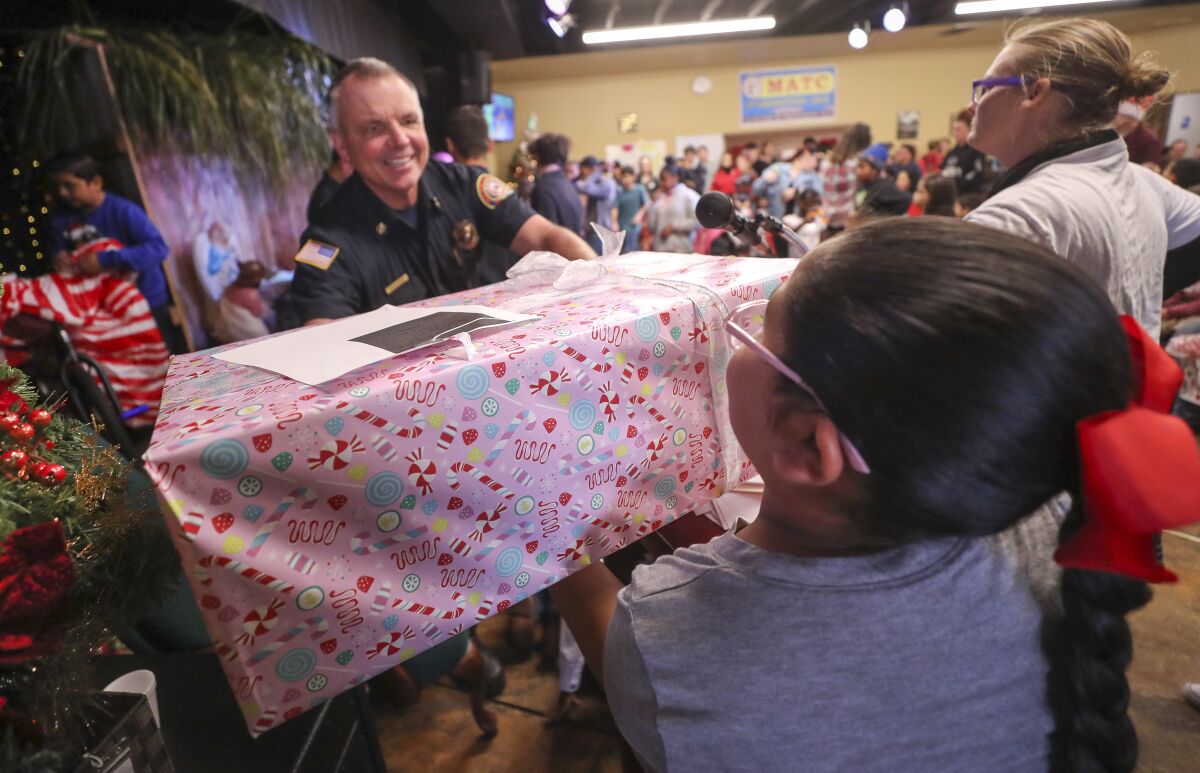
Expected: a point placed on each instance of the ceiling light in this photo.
(562, 25)
(692, 29)
(558, 7)
(998, 6)
(859, 35)
(894, 19)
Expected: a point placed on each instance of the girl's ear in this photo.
(807, 450)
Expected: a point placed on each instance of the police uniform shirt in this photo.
(359, 254)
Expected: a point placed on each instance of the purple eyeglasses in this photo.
(982, 86)
(857, 463)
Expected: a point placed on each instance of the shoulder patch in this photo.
(491, 190)
(317, 254)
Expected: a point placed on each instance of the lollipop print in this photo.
(647, 328)
(295, 664)
(383, 488)
(472, 382)
(509, 561)
(224, 459)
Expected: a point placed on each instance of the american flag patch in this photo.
(317, 254)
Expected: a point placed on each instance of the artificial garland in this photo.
(78, 560)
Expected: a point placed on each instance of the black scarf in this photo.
(1056, 150)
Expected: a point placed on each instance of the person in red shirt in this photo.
(725, 180)
(932, 161)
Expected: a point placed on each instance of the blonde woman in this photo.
(1045, 109)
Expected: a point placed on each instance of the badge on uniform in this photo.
(317, 254)
(466, 235)
(491, 190)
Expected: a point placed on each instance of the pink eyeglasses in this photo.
(750, 315)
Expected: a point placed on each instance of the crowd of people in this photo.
(1069, 221)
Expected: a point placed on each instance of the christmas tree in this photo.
(79, 559)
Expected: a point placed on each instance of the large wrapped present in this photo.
(332, 532)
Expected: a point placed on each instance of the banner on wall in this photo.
(788, 95)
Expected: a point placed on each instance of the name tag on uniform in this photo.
(317, 254)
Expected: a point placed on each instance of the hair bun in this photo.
(1144, 78)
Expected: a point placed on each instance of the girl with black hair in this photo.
(916, 388)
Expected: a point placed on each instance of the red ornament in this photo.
(49, 444)
(8, 421)
(53, 475)
(39, 469)
(22, 432)
(40, 417)
(14, 458)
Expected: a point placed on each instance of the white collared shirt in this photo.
(1113, 219)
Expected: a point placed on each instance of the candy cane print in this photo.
(477, 474)
(249, 572)
(484, 522)
(582, 358)
(191, 523)
(460, 605)
(524, 416)
(359, 546)
(639, 400)
(431, 631)
(301, 563)
(566, 468)
(603, 524)
(265, 721)
(525, 527)
(264, 531)
(299, 628)
(666, 377)
(385, 449)
(460, 548)
(382, 595)
(449, 432)
(418, 420)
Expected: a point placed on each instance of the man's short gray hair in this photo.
(366, 67)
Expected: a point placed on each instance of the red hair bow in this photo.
(1141, 472)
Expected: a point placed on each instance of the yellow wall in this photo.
(581, 95)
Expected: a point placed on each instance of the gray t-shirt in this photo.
(728, 657)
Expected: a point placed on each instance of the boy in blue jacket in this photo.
(87, 212)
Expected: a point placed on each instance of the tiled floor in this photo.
(438, 734)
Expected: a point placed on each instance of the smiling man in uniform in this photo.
(402, 227)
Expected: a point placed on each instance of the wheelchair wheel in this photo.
(88, 401)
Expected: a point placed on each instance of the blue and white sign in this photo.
(789, 95)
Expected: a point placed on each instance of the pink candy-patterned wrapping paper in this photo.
(329, 533)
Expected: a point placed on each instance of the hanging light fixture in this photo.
(896, 17)
(561, 25)
(558, 7)
(860, 35)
